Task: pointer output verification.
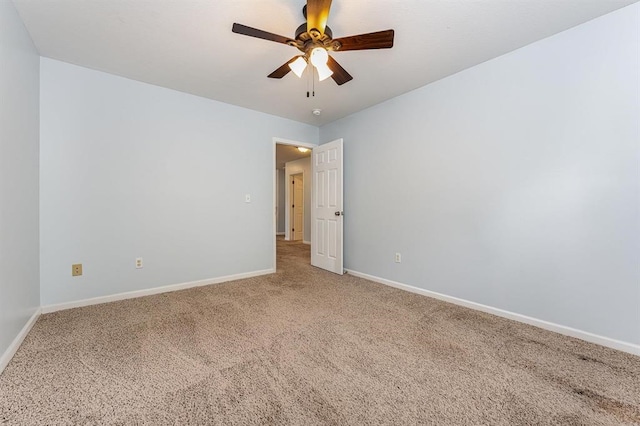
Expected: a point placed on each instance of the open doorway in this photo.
(292, 207)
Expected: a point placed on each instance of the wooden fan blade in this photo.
(283, 70)
(377, 40)
(317, 15)
(340, 75)
(254, 32)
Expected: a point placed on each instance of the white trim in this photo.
(147, 292)
(277, 201)
(13, 347)
(279, 233)
(306, 242)
(283, 141)
(561, 329)
(274, 208)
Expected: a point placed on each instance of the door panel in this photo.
(319, 188)
(327, 202)
(320, 242)
(333, 189)
(333, 230)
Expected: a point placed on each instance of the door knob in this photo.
(339, 213)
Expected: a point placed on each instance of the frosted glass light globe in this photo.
(319, 57)
(298, 66)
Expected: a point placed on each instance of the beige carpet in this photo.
(304, 346)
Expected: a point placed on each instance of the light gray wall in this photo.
(19, 133)
(280, 189)
(294, 167)
(513, 184)
(133, 170)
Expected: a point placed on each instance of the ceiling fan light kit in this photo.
(323, 72)
(319, 56)
(298, 66)
(315, 40)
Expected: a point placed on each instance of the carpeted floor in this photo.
(304, 346)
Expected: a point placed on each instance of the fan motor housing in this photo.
(305, 42)
(302, 29)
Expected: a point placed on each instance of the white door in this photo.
(326, 207)
(297, 207)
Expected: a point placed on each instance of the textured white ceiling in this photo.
(188, 45)
(286, 153)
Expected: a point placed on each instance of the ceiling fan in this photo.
(315, 39)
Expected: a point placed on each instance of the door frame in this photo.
(288, 200)
(274, 230)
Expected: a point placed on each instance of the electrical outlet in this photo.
(139, 264)
(398, 258)
(247, 198)
(76, 269)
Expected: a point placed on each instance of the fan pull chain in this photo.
(311, 83)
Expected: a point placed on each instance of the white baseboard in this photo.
(13, 347)
(306, 242)
(561, 329)
(150, 291)
(279, 233)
